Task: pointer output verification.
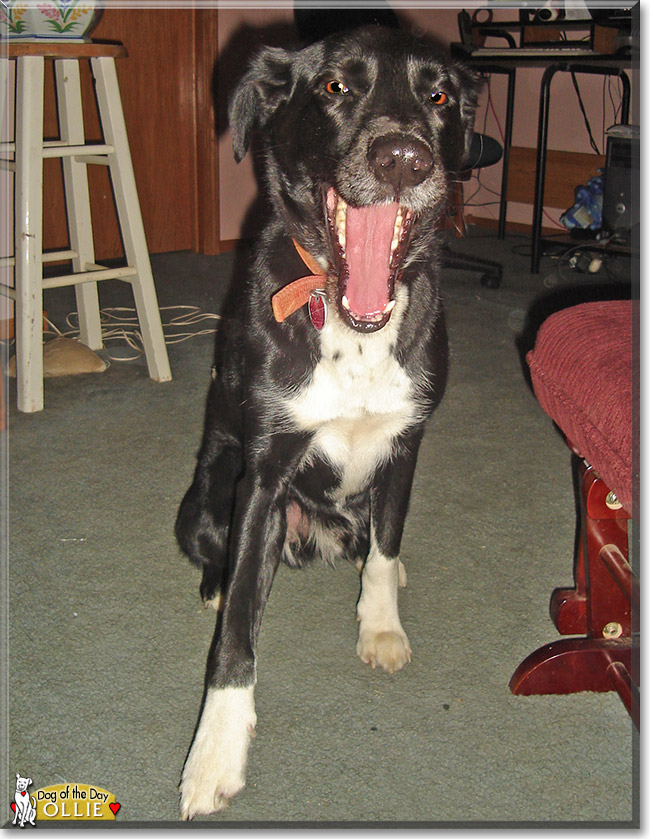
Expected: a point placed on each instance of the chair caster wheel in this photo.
(491, 280)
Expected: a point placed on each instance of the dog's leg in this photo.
(215, 767)
(205, 513)
(360, 563)
(216, 764)
(382, 640)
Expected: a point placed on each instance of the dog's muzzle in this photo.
(399, 161)
(369, 245)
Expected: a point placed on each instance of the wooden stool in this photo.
(25, 158)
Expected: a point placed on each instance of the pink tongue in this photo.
(368, 235)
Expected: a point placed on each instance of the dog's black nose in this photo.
(399, 160)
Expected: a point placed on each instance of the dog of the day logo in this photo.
(62, 802)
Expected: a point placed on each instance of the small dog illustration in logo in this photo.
(25, 806)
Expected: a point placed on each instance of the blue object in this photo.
(587, 212)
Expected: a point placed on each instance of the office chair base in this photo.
(492, 272)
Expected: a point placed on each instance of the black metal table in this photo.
(555, 62)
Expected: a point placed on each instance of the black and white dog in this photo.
(323, 382)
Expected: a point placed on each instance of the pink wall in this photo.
(567, 131)
(237, 187)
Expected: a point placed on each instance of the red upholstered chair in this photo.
(582, 369)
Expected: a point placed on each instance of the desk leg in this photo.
(540, 172)
(625, 105)
(510, 112)
(542, 140)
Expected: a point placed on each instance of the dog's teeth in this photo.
(389, 307)
(341, 219)
(397, 230)
(345, 302)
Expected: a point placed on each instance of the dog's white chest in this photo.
(357, 401)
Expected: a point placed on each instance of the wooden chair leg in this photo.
(130, 217)
(28, 223)
(77, 195)
(602, 606)
(569, 605)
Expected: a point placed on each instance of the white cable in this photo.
(121, 324)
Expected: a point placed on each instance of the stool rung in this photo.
(76, 151)
(94, 273)
(61, 148)
(54, 256)
(89, 277)
(49, 256)
(93, 158)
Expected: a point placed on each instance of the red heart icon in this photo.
(13, 806)
(114, 807)
(23, 793)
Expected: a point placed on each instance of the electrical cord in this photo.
(592, 142)
(120, 324)
(595, 256)
(494, 113)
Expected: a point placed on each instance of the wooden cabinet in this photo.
(167, 98)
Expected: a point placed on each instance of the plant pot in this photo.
(70, 20)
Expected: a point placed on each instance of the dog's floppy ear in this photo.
(267, 83)
(468, 85)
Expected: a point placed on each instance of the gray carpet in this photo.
(108, 637)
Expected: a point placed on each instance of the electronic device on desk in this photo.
(551, 30)
(622, 176)
(546, 27)
(627, 39)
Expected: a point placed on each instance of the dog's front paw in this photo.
(215, 768)
(207, 785)
(390, 650)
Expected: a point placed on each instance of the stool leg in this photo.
(4, 71)
(5, 237)
(77, 199)
(130, 218)
(28, 224)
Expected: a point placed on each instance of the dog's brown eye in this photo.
(439, 98)
(336, 87)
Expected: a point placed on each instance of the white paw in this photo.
(216, 765)
(215, 602)
(390, 650)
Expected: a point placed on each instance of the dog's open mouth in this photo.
(369, 245)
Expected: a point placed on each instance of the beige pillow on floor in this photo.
(65, 357)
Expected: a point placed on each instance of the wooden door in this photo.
(166, 95)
